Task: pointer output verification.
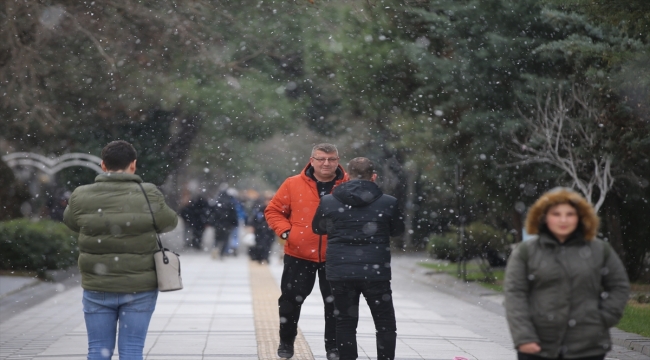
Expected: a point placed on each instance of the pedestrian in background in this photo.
(242, 216)
(116, 245)
(289, 214)
(196, 216)
(264, 235)
(359, 220)
(566, 288)
(224, 220)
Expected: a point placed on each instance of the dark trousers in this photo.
(522, 356)
(379, 297)
(298, 280)
(221, 238)
(196, 236)
(262, 248)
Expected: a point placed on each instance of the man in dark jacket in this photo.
(359, 221)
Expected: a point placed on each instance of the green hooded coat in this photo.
(564, 296)
(116, 234)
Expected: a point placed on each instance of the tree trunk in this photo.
(184, 131)
(613, 224)
(518, 223)
(395, 182)
(409, 207)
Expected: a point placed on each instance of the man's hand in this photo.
(529, 348)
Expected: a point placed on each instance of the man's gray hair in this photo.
(326, 148)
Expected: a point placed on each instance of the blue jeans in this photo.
(103, 311)
(379, 297)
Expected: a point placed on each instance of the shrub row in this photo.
(27, 245)
(481, 240)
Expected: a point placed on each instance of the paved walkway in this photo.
(228, 311)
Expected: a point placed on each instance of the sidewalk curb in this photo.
(631, 341)
(476, 294)
(15, 302)
(27, 284)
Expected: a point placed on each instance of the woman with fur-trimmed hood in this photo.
(565, 288)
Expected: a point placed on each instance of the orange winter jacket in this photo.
(293, 208)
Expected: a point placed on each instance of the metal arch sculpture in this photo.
(52, 166)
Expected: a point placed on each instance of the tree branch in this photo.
(555, 130)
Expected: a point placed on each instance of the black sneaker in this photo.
(285, 350)
(333, 354)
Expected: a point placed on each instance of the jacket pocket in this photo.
(587, 333)
(547, 327)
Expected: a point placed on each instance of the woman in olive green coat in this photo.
(116, 245)
(566, 288)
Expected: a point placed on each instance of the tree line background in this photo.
(471, 108)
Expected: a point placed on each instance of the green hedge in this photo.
(481, 240)
(27, 245)
(444, 246)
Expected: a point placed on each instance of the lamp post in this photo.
(462, 261)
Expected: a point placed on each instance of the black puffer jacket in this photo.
(358, 220)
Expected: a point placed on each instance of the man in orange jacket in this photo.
(290, 215)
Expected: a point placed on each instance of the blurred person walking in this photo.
(264, 235)
(56, 204)
(224, 220)
(359, 220)
(565, 288)
(242, 217)
(196, 216)
(289, 214)
(116, 245)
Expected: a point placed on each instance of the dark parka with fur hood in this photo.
(564, 296)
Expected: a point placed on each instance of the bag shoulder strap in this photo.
(155, 227)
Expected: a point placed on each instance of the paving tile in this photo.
(216, 317)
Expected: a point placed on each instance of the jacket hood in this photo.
(357, 193)
(588, 220)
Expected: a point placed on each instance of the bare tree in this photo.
(562, 130)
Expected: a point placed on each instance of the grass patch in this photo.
(21, 273)
(640, 287)
(498, 286)
(474, 274)
(636, 319)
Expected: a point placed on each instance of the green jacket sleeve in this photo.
(516, 287)
(616, 288)
(69, 218)
(166, 218)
